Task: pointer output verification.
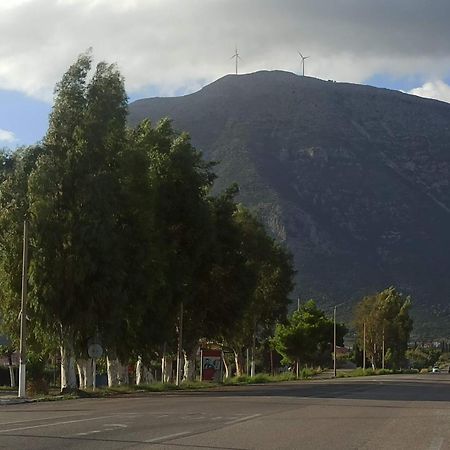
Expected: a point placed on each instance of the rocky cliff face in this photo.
(353, 178)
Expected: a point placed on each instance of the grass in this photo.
(266, 378)
(370, 372)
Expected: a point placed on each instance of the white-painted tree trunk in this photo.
(12, 376)
(112, 369)
(85, 374)
(189, 364)
(143, 373)
(166, 369)
(225, 367)
(239, 362)
(68, 377)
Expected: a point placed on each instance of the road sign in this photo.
(95, 351)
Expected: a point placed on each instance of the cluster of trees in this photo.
(383, 326)
(307, 336)
(123, 231)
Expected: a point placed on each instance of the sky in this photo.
(175, 47)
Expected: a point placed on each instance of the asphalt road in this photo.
(388, 412)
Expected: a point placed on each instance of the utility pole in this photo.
(180, 345)
(382, 356)
(23, 315)
(364, 346)
(334, 342)
(252, 365)
(298, 303)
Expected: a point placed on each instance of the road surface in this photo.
(384, 412)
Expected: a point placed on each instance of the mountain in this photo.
(354, 179)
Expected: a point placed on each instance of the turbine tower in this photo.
(303, 62)
(237, 58)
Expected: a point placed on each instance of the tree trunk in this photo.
(112, 368)
(12, 375)
(85, 374)
(143, 373)
(68, 377)
(189, 364)
(123, 374)
(139, 371)
(226, 374)
(166, 369)
(239, 361)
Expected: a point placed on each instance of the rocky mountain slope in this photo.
(354, 179)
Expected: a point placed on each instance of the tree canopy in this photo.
(307, 335)
(123, 229)
(385, 316)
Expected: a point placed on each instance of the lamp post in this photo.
(23, 315)
(364, 346)
(180, 346)
(334, 342)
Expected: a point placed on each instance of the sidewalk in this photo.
(10, 398)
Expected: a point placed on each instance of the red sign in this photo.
(211, 361)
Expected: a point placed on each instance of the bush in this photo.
(37, 387)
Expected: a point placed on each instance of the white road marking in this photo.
(243, 419)
(168, 436)
(55, 423)
(116, 425)
(162, 415)
(34, 420)
(436, 443)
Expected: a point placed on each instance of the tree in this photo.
(15, 170)
(270, 270)
(384, 315)
(77, 269)
(306, 336)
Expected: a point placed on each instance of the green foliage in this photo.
(123, 228)
(306, 336)
(384, 314)
(421, 357)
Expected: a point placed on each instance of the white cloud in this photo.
(171, 44)
(433, 89)
(7, 136)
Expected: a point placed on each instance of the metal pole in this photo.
(180, 346)
(334, 342)
(252, 365)
(298, 303)
(382, 356)
(246, 362)
(94, 373)
(23, 315)
(201, 364)
(364, 346)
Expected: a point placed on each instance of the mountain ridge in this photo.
(353, 178)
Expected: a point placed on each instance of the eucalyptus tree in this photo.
(306, 336)
(272, 268)
(15, 169)
(75, 196)
(383, 320)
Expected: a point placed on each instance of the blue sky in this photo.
(174, 47)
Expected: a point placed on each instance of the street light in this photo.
(23, 315)
(334, 342)
(335, 336)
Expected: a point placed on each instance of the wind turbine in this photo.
(303, 62)
(237, 58)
